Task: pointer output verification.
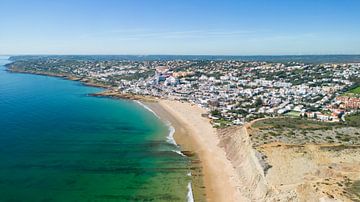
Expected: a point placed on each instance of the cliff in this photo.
(248, 166)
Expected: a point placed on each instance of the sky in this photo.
(186, 27)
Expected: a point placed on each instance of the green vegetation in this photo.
(293, 114)
(294, 123)
(302, 131)
(215, 113)
(258, 102)
(353, 120)
(136, 75)
(355, 90)
(222, 123)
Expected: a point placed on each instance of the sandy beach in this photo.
(228, 166)
(233, 170)
(195, 133)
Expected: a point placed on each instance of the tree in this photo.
(258, 102)
(216, 113)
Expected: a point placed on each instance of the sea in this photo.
(57, 143)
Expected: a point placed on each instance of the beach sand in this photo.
(195, 133)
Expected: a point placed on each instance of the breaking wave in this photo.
(170, 137)
(190, 196)
(147, 108)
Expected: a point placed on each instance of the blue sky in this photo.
(226, 27)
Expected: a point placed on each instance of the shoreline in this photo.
(214, 171)
(61, 76)
(171, 140)
(118, 95)
(185, 148)
(195, 187)
(228, 166)
(195, 134)
(106, 92)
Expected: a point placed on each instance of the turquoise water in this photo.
(58, 144)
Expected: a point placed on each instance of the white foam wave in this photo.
(190, 196)
(147, 108)
(170, 138)
(179, 152)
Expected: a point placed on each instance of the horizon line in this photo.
(225, 55)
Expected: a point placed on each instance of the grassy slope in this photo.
(301, 131)
(355, 90)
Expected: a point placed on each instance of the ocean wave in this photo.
(190, 196)
(171, 140)
(179, 152)
(170, 137)
(147, 108)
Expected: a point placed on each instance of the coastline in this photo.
(224, 163)
(221, 173)
(126, 96)
(196, 186)
(146, 170)
(194, 171)
(83, 81)
(195, 134)
(107, 92)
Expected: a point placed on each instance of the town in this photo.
(233, 92)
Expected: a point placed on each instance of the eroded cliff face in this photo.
(248, 166)
(296, 172)
(251, 167)
(313, 172)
